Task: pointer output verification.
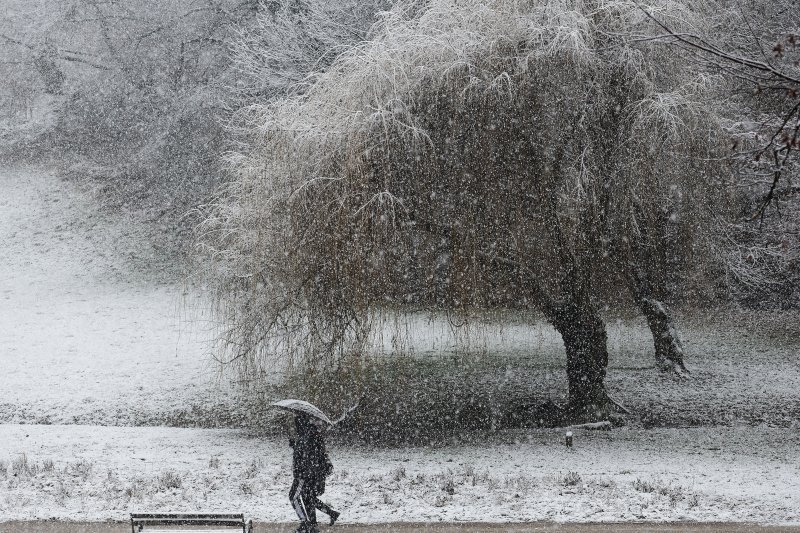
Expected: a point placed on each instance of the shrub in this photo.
(246, 488)
(399, 473)
(571, 479)
(252, 469)
(24, 468)
(82, 468)
(136, 489)
(169, 480)
(643, 485)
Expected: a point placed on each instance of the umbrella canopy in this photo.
(303, 407)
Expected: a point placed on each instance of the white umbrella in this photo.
(303, 407)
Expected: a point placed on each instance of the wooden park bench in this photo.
(220, 522)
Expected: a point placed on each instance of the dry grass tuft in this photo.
(169, 480)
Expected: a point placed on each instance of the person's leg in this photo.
(296, 497)
(324, 507)
(308, 494)
(328, 510)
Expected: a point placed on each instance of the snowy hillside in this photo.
(85, 339)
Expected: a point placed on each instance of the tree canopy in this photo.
(470, 155)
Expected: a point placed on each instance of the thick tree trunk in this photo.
(585, 341)
(584, 334)
(669, 352)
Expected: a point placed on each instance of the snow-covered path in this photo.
(100, 473)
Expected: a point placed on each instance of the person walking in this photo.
(310, 466)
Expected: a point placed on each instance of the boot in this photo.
(333, 516)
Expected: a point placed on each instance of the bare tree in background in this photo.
(135, 93)
(759, 56)
(292, 39)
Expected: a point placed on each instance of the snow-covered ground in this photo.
(719, 474)
(81, 340)
(85, 345)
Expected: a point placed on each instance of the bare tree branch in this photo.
(764, 74)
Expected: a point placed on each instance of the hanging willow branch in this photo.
(451, 162)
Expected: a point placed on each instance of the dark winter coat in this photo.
(310, 460)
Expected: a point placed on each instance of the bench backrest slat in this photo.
(187, 519)
(224, 516)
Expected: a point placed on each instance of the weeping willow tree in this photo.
(516, 154)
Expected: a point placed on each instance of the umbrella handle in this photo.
(347, 412)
